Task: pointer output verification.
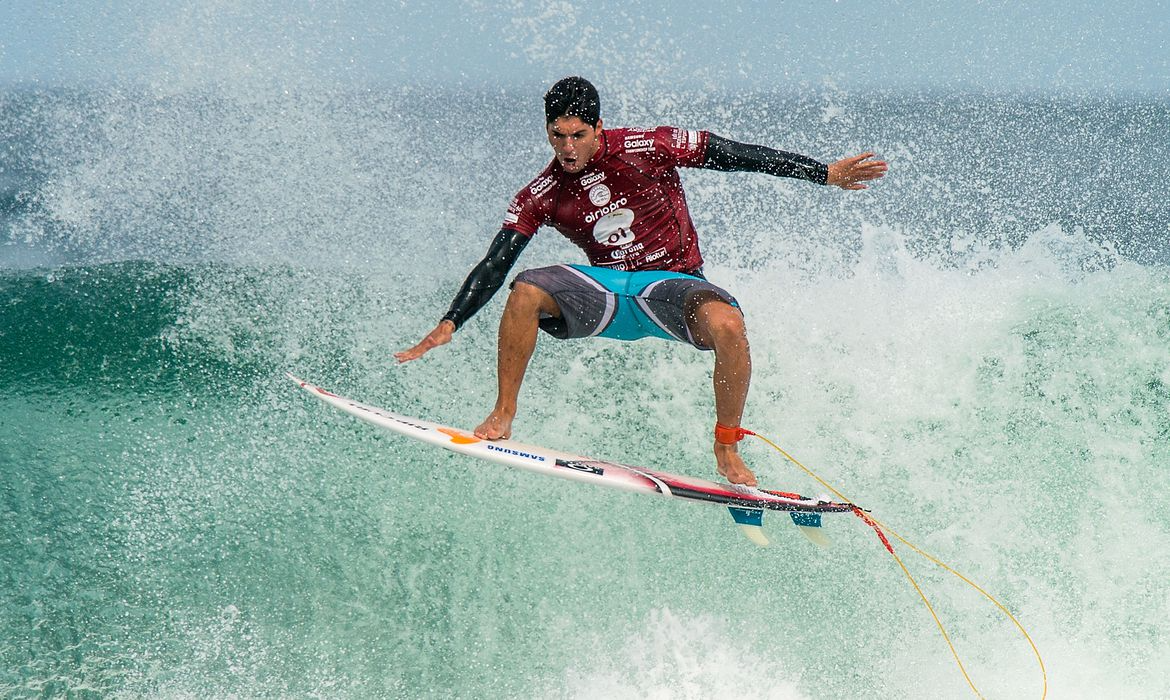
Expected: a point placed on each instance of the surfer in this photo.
(616, 194)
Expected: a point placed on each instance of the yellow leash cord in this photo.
(881, 528)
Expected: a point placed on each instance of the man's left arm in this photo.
(849, 173)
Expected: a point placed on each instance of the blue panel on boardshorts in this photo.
(598, 301)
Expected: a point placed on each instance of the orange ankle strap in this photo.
(727, 435)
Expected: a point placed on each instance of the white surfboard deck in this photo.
(745, 503)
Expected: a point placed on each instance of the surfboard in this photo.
(745, 503)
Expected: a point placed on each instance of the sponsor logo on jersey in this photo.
(660, 253)
(615, 228)
(627, 251)
(638, 145)
(514, 209)
(542, 185)
(592, 179)
(599, 195)
(595, 215)
(688, 139)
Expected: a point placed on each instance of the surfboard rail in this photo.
(746, 503)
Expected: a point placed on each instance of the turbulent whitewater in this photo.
(976, 348)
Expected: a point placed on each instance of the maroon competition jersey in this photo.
(626, 209)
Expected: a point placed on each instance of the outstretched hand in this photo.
(440, 336)
(850, 173)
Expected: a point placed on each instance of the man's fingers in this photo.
(440, 336)
(847, 173)
(408, 355)
(416, 352)
(857, 159)
(860, 169)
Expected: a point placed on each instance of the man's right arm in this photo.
(484, 281)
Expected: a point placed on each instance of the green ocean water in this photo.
(181, 521)
(984, 368)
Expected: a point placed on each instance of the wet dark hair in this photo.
(572, 97)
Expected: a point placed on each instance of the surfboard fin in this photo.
(750, 522)
(809, 525)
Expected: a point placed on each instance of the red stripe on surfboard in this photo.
(730, 493)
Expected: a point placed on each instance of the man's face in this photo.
(574, 142)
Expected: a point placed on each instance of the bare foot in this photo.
(731, 465)
(496, 426)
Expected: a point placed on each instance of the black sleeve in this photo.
(487, 276)
(725, 154)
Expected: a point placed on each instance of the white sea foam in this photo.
(671, 655)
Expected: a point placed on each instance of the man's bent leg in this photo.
(716, 324)
(518, 328)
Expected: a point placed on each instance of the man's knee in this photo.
(718, 323)
(726, 323)
(528, 298)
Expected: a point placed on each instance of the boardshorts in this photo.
(598, 301)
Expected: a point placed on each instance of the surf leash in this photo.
(737, 433)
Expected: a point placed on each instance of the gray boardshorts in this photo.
(598, 301)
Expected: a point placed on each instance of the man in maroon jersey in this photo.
(616, 194)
